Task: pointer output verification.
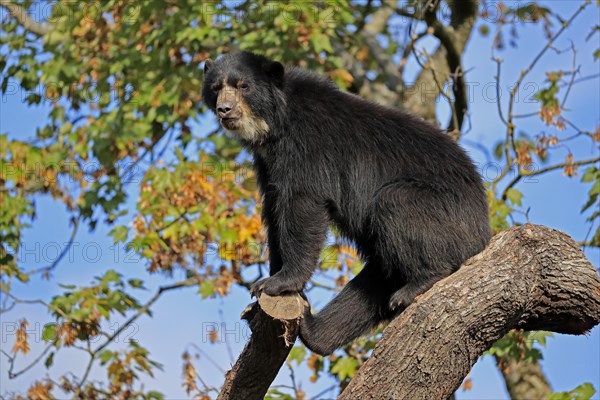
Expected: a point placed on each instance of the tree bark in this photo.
(530, 277)
(22, 16)
(524, 380)
(262, 357)
(421, 96)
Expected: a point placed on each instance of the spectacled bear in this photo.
(402, 190)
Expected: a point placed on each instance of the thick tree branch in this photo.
(524, 379)
(262, 357)
(453, 58)
(388, 91)
(420, 97)
(530, 277)
(21, 15)
(375, 26)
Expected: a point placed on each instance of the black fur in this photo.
(402, 190)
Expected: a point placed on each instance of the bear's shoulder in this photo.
(297, 78)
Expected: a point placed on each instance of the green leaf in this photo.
(49, 332)
(68, 287)
(298, 353)
(590, 174)
(23, 277)
(154, 395)
(103, 311)
(559, 396)
(80, 314)
(136, 283)
(207, 289)
(105, 356)
(119, 233)
(539, 336)
(229, 236)
(111, 276)
(275, 394)
(49, 360)
(345, 367)
(498, 150)
(581, 392)
(514, 196)
(321, 42)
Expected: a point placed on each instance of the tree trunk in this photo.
(529, 277)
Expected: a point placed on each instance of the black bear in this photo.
(403, 191)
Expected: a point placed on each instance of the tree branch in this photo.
(420, 98)
(524, 379)
(378, 22)
(524, 173)
(21, 15)
(529, 277)
(453, 57)
(262, 357)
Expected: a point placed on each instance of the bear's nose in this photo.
(224, 108)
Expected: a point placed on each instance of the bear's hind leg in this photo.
(404, 296)
(360, 307)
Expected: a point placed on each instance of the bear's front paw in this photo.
(275, 285)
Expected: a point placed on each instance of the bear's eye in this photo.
(216, 87)
(243, 86)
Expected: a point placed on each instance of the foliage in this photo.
(518, 346)
(119, 83)
(581, 392)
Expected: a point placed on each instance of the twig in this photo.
(227, 344)
(510, 143)
(544, 170)
(573, 75)
(12, 359)
(438, 84)
(527, 115)
(583, 79)
(49, 268)
(36, 301)
(579, 131)
(498, 61)
(209, 358)
(483, 149)
(297, 391)
(409, 48)
(187, 282)
(319, 395)
(526, 71)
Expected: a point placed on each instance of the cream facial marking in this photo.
(236, 116)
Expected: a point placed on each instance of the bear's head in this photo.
(243, 90)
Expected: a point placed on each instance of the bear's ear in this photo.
(207, 64)
(274, 70)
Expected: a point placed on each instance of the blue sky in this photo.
(181, 318)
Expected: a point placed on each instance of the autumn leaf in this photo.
(570, 167)
(21, 343)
